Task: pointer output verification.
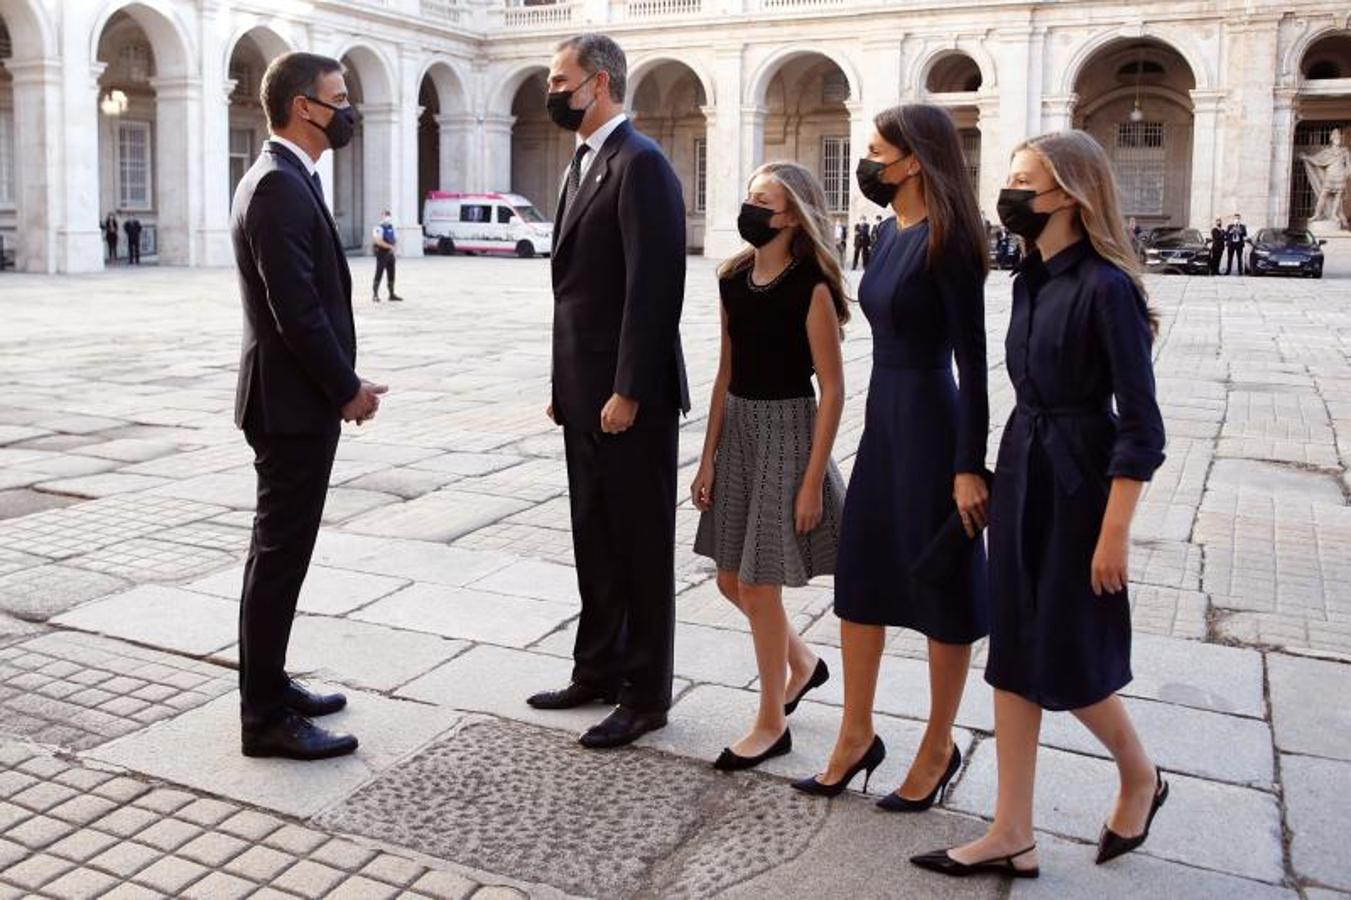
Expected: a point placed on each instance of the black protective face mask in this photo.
(871, 185)
(753, 224)
(559, 106)
(340, 127)
(1016, 212)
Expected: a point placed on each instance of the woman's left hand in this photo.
(807, 510)
(1109, 573)
(972, 498)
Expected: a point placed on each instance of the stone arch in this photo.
(170, 40)
(31, 33)
(1087, 51)
(374, 71)
(451, 87)
(758, 84)
(500, 101)
(647, 65)
(932, 62)
(270, 40)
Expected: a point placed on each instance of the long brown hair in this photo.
(1081, 169)
(955, 224)
(815, 233)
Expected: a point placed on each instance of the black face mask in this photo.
(1016, 212)
(870, 183)
(559, 106)
(753, 224)
(340, 127)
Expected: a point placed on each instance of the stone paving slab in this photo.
(534, 579)
(599, 824)
(1310, 705)
(326, 591)
(23, 502)
(1069, 873)
(164, 617)
(119, 835)
(443, 515)
(84, 527)
(1190, 673)
(151, 559)
(1315, 794)
(417, 561)
(40, 592)
(200, 749)
(468, 614)
(105, 484)
(1206, 824)
(78, 690)
(359, 654)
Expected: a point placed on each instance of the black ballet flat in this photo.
(728, 761)
(819, 677)
(877, 751)
(939, 861)
(894, 802)
(1111, 845)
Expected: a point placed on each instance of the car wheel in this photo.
(445, 246)
(525, 249)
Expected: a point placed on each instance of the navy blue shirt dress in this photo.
(1078, 338)
(919, 431)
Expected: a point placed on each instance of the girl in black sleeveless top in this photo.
(769, 492)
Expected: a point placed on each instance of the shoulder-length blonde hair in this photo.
(815, 237)
(1081, 169)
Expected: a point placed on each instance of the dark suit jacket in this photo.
(296, 369)
(1236, 235)
(619, 284)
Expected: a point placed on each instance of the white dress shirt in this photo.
(595, 142)
(309, 164)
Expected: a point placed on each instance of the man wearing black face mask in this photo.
(618, 389)
(1216, 246)
(297, 383)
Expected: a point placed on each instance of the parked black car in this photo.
(1175, 251)
(1286, 251)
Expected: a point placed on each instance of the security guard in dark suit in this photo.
(1216, 246)
(1234, 239)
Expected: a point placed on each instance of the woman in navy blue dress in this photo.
(922, 453)
(1069, 475)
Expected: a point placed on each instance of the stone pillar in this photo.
(1282, 157)
(456, 145)
(79, 240)
(729, 152)
(860, 129)
(1244, 147)
(212, 236)
(494, 173)
(994, 162)
(40, 176)
(177, 167)
(1016, 64)
(1207, 151)
(1057, 113)
(380, 165)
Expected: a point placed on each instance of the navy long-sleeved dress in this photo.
(918, 432)
(1078, 337)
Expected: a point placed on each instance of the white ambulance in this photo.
(483, 223)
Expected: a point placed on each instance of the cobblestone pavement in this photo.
(442, 593)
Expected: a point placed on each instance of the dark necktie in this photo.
(574, 176)
(317, 182)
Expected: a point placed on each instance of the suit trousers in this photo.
(622, 490)
(1234, 252)
(384, 262)
(293, 472)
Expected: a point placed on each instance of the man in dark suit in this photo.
(1234, 239)
(297, 383)
(133, 229)
(1216, 246)
(618, 390)
(863, 238)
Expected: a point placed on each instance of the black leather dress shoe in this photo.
(302, 700)
(296, 737)
(571, 697)
(623, 726)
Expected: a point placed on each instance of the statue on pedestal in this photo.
(1328, 171)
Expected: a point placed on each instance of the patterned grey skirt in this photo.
(763, 452)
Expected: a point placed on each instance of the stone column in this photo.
(212, 236)
(729, 152)
(79, 240)
(456, 146)
(860, 129)
(1019, 80)
(380, 165)
(40, 176)
(1207, 150)
(404, 201)
(177, 165)
(1282, 157)
(1057, 113)
(994, 162)
(494, 172)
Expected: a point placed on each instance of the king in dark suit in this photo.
(297, 383)
(619, 389)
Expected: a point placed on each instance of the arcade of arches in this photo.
(149, 110)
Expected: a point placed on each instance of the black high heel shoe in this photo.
(877, 751)
(939, 861)
(819, 677)
(1111, 845)
(728, 761)
(894, 802)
